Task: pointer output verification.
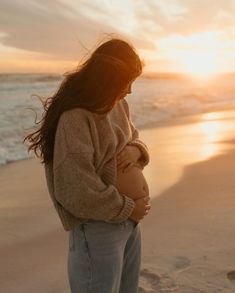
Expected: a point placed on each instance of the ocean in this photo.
(154, 99)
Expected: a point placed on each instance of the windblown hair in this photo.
(95, 86)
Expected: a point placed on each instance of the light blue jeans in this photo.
(104, 257)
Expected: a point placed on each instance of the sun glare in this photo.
(201, 55)
(200, 64)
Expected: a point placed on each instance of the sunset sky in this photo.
(192, 36)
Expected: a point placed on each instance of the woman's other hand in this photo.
(141, 209)
(128, 156)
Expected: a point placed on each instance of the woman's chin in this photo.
(121, 98)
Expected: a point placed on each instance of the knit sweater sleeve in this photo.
(144, 159)
(77, 186)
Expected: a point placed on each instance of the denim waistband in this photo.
(92, 220)
(134, 223)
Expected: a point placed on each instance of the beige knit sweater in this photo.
(82, 178)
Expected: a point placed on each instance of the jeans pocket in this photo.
(87, 250)
(79, 257)
(85, 240)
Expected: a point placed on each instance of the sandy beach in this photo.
(188, 242)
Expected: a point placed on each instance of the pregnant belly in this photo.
(132, 183)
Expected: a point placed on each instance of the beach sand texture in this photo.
(188, 242)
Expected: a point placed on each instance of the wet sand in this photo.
(188, 236)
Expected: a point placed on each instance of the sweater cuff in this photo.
(126, 210)
(144, 159)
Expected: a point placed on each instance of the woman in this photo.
(86, 139)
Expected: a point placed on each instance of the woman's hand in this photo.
(141, 209)
(128, 156)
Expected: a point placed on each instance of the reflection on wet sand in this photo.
(175, 146)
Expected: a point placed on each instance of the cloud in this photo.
(184, 17)
(56, 28)
(49, 27)
(118, 15)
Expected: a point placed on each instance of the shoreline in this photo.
(172, 122)
(187, 119)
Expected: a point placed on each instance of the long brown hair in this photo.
(95, 86)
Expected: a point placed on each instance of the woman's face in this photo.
(126, 91)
